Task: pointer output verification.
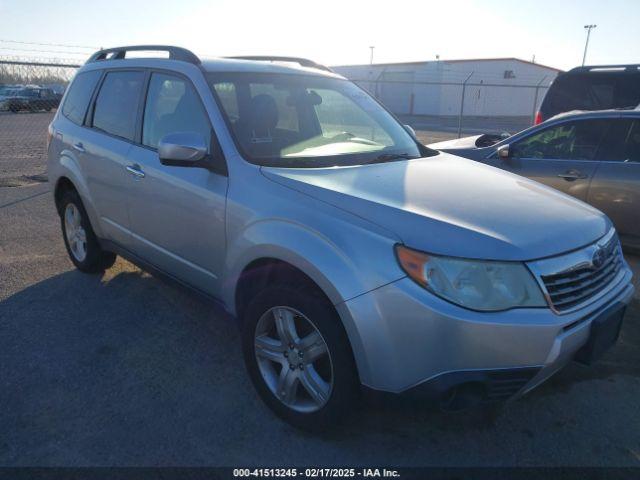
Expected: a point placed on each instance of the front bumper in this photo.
(403, 338)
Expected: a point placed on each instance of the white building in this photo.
(495, 87)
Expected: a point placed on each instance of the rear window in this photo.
(117, 103)
(592, 91)
(79, 95)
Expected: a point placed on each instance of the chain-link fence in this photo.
(30, 93)
(445, 109)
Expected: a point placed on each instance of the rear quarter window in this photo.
(79, 95)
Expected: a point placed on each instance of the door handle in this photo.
(135, 171)
(79, 147)
(571, 175)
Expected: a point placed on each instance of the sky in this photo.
(333, 32)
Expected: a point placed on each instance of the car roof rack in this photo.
(303, 62)
(595, 68)
(119, 53)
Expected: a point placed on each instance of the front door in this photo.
(177, 213)
(562, 156)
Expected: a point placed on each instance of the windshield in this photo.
(308, 121)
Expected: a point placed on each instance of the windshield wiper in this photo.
(390, 157)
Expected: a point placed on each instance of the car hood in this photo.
(451, 206)
(465, 142)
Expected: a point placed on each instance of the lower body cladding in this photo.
(407, 341)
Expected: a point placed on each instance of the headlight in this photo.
(475, 284)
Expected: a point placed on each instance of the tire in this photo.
(316, 311)
(13, 109)
(79, 239)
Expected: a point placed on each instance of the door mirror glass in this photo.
(503, 152)
(182, 149)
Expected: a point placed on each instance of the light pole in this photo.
(586, 45)
(371, 56)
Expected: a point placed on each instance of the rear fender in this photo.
(68, 167)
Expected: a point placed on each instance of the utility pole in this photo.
(371, 57)
(464, 89)
(586, 45)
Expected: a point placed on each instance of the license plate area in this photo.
(605, 330)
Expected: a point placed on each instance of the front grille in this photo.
(572, 287)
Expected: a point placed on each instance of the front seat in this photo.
(260, 128)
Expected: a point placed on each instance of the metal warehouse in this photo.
(494, 87)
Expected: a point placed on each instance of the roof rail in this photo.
(304, 62)
(119, 53)
(589, 68)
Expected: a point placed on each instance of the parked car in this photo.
(593, 156)
(31, 99)
(352, 256)
(592, 88)
(6, 89)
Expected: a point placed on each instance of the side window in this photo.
(79, 95)
(172, 106)
(117, 103)
(632, 143)
(569, 141)
(614, 144)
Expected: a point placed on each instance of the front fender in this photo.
(342, 267)
(353, 262)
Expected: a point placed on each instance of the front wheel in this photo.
(298, 357)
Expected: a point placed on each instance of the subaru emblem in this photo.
(598, 257)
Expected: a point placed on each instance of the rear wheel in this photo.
(80, 240)
(298, 356)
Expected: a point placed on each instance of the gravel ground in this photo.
(123, 369)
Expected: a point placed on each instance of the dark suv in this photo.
(592, 88)
(31, 99)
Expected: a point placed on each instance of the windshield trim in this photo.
(342, 160)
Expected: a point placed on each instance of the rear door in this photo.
(615, 188)
(105, 147)
(562, 156)
(177, 213)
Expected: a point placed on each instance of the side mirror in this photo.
(411, 131)
(182, 149)
(503, 152)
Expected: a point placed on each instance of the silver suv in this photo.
(354, 257)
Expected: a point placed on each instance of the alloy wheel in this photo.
(75, 233)
(293, 359)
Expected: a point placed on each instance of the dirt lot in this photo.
(123, 369)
